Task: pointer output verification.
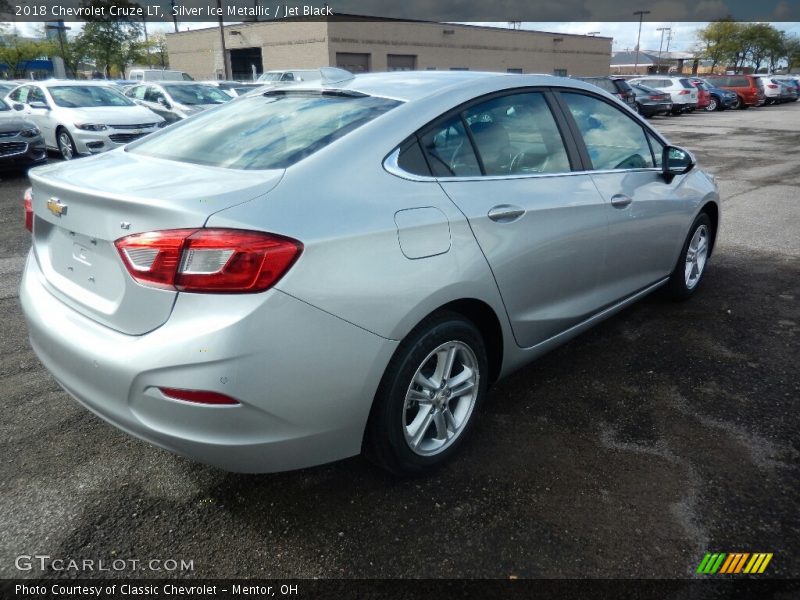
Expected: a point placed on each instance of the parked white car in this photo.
(772, 89)
(681, 90)
(158, 75)
(82, 117)
(282, 77)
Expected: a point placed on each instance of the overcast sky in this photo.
(683, 34)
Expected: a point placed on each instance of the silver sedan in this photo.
(345, 266)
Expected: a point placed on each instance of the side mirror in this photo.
(18, 106)
(675, 161)
(37, 104)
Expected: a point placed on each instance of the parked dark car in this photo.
(21, 142)
(614, 85)
(749, 88)
(650, 102)
(720, 99)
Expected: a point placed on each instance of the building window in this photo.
(430, 68)
(459, 68)
(560, 72)
(519, 71)
(353, 61)
(401, 62)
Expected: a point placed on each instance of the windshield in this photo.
(270, 77)
(264, 132)
(192, 95)
(82, 96)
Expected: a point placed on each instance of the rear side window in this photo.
(449, 150)
(613, 139)
(265, 131)
(686, 83)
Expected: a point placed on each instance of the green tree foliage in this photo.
(14, 51)
(112, 42)
(736, 45)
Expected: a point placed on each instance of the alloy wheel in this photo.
(65, 146)
(696, 256)
(440, 399)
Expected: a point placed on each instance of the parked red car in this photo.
(749, 89)
(703, 95)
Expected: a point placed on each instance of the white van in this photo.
(158, 75)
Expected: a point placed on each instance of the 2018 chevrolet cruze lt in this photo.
(344, 266)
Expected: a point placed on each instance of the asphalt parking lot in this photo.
(667, 431)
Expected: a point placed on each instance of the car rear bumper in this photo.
(305, 379)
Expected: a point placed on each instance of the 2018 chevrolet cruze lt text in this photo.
(346, 265)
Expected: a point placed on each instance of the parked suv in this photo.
(616, 86)
(720, 99)
(682, 91)
(749, 88)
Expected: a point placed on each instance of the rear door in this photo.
(645, 213)
(542, 226)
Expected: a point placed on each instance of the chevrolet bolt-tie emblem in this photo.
(55, 206)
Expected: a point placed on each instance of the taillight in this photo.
(684, 92)
(199, 396)
(221, 261)
(772, 86)
(27, 202)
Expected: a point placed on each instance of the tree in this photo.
(719, 41)
(791, 46)
(758, 42)
(15, 51)
(111, 41)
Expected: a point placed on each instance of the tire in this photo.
(66, 145)
(419, 421)
(676, 111)
(691, 266)
(738, 104)
(712, 105)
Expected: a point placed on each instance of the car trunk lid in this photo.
(83, 207)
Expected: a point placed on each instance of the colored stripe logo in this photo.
(734, 563)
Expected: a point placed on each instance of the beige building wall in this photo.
(311, 44)
(445, 46)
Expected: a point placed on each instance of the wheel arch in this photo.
(712, 210)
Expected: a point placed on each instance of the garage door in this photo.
(353, 62)
(401, 62)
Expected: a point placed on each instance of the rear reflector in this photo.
(199, 396)
(27, 202)
(225, 261)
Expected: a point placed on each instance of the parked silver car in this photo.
(82, 117)
(680, 89)
(177, 100)
(21, 143)
(312, 272)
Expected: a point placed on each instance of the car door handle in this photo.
(505, 213)
(620, 200)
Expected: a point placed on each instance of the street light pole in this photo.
(660, 45)
(222, 42)
(641, 14)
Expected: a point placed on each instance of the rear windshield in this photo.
(264, 131)
(687, 84)
(81, 96)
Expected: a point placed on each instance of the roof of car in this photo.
(413, 85)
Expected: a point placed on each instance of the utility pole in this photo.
(61, 28)
(640, 14)
(222, 43)
(662, 30)
(174, 17)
